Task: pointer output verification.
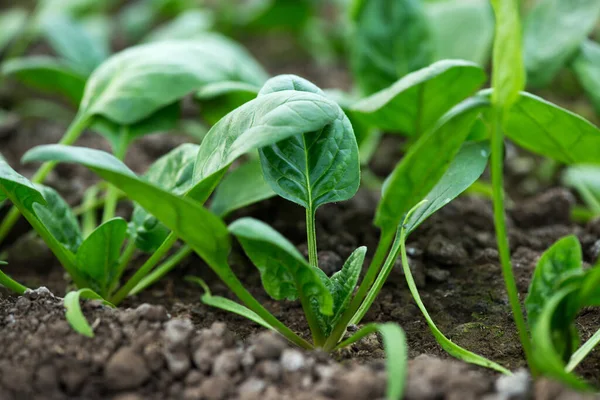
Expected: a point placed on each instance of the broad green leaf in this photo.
(586, 180)
(587, 68)
(560, 260)
(343, 283)
(47, 75)
(133, 84)
(553, 32)
(172, 172)
(99, 253)
(74, 314)
(284, 272)
(461, 29)
(413, 104)
(202, 230)
(184, 26)
(73, 43)
(58, 218)
(396, 354)
(508, 72)
(544, 128)
(465, 169)
(316, 167)
(425, 163)
(243, 186)
(12, 22)
(225, 304)
(391, 38)
(219, 98)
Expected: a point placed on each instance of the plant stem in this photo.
(88, 221)
(583, 351)
(123, 262)
(112, 194)
(11, 284)
(311, 235)
(497, 160)
(72, 134)
(162, 269)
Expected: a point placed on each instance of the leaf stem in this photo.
(11, 284)
(123, 263)
(311, 235)
(88, 221)
(163, 269)
(112, 194)
(497, 160)
(583, 351)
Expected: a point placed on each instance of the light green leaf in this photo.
(465, 169)
(133, 84)
(185, 26)
(587, 68)
(74, 314)
(586, 180)
(316, 167)
(391, 38)
(284, 272)
(243, 186)
(219, 98)
(343, 283)
(508, 74)
(58, 218)
(12, 22)
(558, 262)
(425, 163)
(99, 253)
(47, 75)
(413, 104)
(461, 29)
(553, 32)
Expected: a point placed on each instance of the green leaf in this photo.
(343, 283)
(544, 128)
(225, 304)
(12, 22)
(203, 231)
(99, 253)
(74, 314)
(587, 68)
(58, 218)
(465, 169)
(425, 163)
(508, 75)
(284, 272)
(72, 42)
(559, 261)
(396, 354)
(553, 32)
(316, 167)
(243, 186)
(172, 172)
(460, 29)
(47, 75)
(391, 38)
(413, 104)
(219, 98)
(586, 180)
(185, 26)
(133, 84)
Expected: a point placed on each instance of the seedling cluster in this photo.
(289, 138)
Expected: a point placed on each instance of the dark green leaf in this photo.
(425, 163)
(99, 253)
(553, 32)
(413, 104)
(587, 68)
(74, 314)
(136, 82)
(58, 218)
(391, 39)
(47, 75)
(466, 168)
(508, 76)
(314, 168)
(559, 261)
(242, 187)
(185, 26)
(284, 272)
(218, 99)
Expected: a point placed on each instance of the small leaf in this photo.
(243, 186)
(59, 219)
(558, 262)
(391, 39)
(74, 314)
(316, 167)
(553, 32)
(47, 75)
(587, 68)
(413, 104)
(343, 283)
(425, 163)
(284, 272)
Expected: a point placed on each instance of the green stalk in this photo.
(11, 284)
(112, 194)
(311, 234)
(88, 221)
(72, 134)
(497, 160)
(123, 263)
(162, 269)
(583, 351)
